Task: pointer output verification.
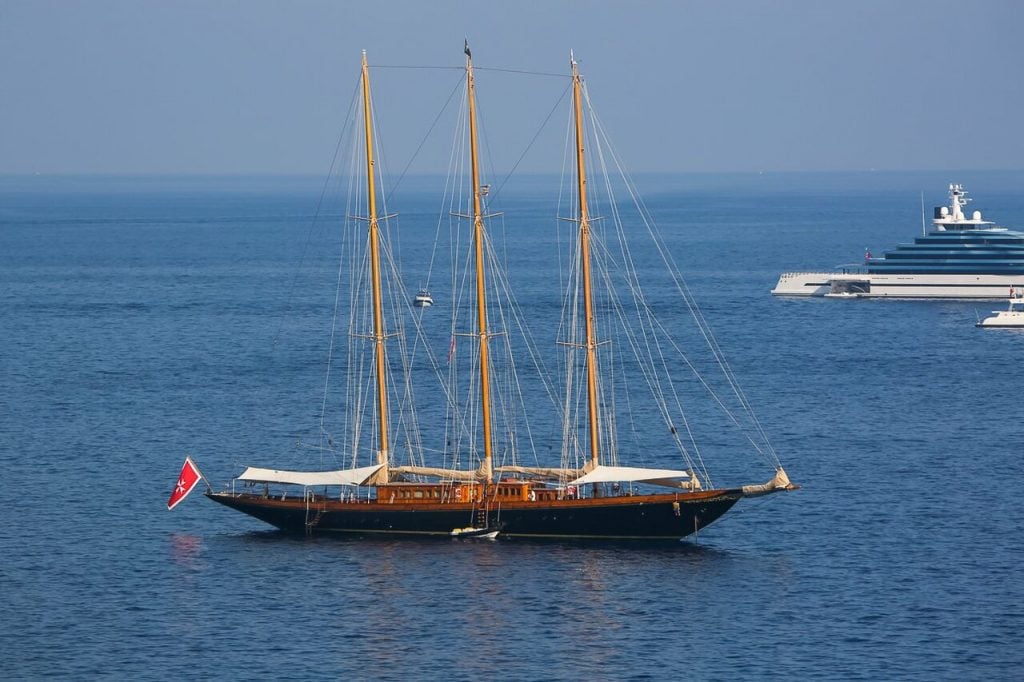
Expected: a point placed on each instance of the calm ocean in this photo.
(141, 319)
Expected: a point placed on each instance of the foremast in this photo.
(588, 300)
(379, 335)
(486, 468)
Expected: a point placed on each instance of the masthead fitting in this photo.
(466, 49)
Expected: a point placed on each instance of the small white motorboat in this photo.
(471, 532)
(423, 299)
(1013, 316)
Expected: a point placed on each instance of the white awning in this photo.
(604, 474)
(310, 478)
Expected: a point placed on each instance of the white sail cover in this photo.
(606, 474)
(542, 472)
(448, 474)
(310, 478)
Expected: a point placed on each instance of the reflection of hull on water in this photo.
(643, 517)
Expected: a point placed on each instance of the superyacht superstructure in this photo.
(960, 257)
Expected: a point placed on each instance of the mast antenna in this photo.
(924, 231)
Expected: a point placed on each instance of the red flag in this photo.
(187, 480)
(451, 350)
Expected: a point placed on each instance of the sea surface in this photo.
(145, 318)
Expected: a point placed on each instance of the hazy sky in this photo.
(253, 86)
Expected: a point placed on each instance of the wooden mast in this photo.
(378, 314)
(588, 301)
(478, 243)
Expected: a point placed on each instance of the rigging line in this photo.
(565, 261)
(683, 289)
(417, 322)
(645, 318)
(529, 145)
(503, 286)
(520, 71)
(334, 315)
(643, 352)
(418, 67)
(448, 192)
(629, 272)
(400, 392)
(422, 67)
(425, 137)
(349, 121)
(400, 300)
(647, 313)
(501, 277)
(319, 204)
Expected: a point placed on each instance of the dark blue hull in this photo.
(649, 517)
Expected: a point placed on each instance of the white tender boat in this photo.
(1013, 316)
(472, 532)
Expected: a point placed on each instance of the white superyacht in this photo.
(960, 257)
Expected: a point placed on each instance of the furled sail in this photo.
(444, 474)
(542, 472)
(779, 482)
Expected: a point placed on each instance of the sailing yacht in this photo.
(590, 492)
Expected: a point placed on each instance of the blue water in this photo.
(143, 319)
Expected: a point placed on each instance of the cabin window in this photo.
(418, 494)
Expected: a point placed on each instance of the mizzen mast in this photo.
(478, 244)
(378, 314)
(588, 299)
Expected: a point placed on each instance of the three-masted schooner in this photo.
(593, 500)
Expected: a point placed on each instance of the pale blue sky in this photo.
(253, 86)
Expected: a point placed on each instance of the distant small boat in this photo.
(471, 532)
(1013, 316)
(423, 299)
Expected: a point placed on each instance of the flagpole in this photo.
(209, 488)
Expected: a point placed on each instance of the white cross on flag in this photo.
(187, 480)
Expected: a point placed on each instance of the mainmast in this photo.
(588, 300)
(478, 243)
(378, 314)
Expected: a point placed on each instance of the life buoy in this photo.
(533, 496)
(458, 493)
